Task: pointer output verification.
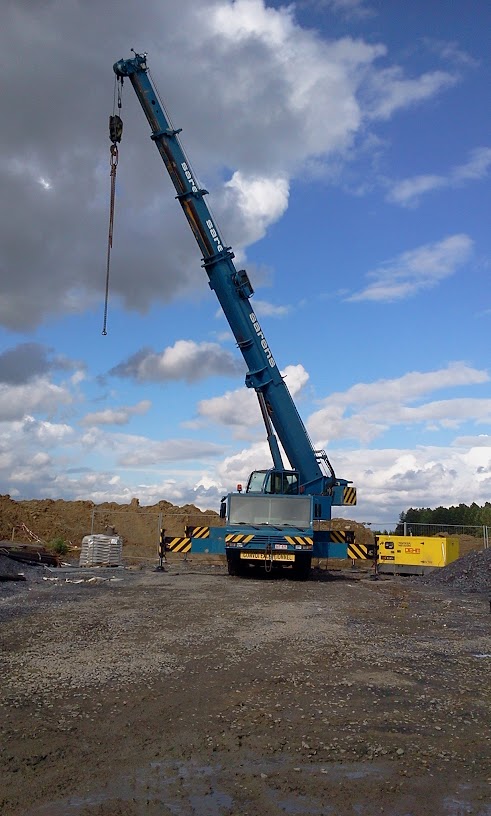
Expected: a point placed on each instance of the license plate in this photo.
(250, 556)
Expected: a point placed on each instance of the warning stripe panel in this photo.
(238, 538)
(349, 495)
(305, 541)
(178, 544)
(198, 532)
(360, 551)
(339, 536)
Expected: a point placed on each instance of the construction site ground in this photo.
(138, 692)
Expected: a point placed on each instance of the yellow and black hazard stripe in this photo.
(349, 495)
(363, 552)
(305, 541)
(238, 538)
(339, 536)
(198, 532)
(178, 544)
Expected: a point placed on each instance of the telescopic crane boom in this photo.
(234, 290)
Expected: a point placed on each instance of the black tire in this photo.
(234, 565)
(301, 567)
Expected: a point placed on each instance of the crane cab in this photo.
(273, 481)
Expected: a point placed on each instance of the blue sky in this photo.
(346, 146)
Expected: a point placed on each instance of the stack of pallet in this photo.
(101, 551)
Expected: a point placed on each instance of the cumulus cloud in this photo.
(302, 100)
(392, 480)
(365, 411)
(44, 433)
(239, 409)
(254, 203)
(185, 360)
(25, 362)
(40, 396)
(22, 363)
(480, 441)
(38, 457)
(416, 270)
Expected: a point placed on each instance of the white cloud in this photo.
(235, 469)
(265, 309)
(39, 396)
(236, 409)
(391, 91)
(450, 51)
(116, 416)
(277, 99)
(255, 202)
(411, 386)
(246, 19)
(390, 481)
(409, 191)
(475, 168)
(37, 457)
(139, 452)
(142, 452)
(480, 441)
(416, 270)
(350, 9)
(367, 410)
(41, 432)
(185, 360)
(239, 409)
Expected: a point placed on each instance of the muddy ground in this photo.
(191, 692)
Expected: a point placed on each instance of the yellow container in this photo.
(415, 554)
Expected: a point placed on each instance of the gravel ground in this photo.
(189, 692)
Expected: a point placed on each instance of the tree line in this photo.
(457, 515)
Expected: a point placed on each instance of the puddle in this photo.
(184, 788)
(272, 786)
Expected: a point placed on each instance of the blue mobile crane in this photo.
(276, 521)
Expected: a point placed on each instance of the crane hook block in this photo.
(115, 128)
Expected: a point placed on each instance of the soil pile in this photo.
(43, 520)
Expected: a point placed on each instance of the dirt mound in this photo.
(471, 573)
(42, 520)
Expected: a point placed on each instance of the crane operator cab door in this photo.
(277, 482)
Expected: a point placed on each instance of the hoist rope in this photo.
(115, 131)
(114, 164)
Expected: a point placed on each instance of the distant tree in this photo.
(446, 517)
